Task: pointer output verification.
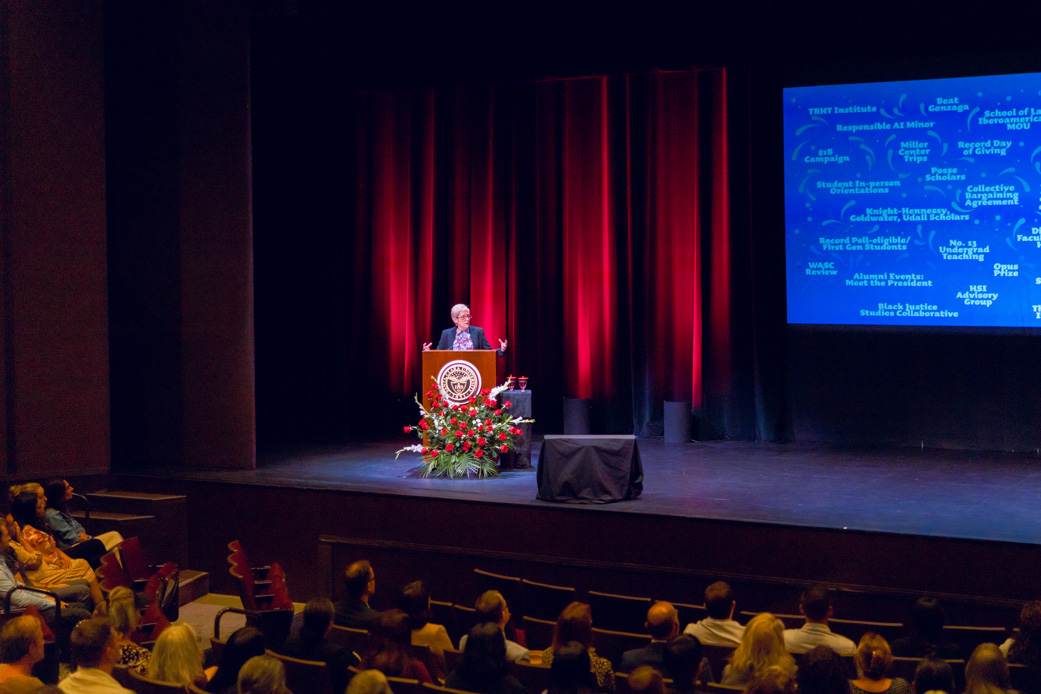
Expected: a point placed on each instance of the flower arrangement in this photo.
(464, 440)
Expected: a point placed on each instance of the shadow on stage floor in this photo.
(952, 494)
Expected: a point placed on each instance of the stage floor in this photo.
(957, 494)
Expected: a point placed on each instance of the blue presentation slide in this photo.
(914, 203)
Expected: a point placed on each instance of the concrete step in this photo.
(126, 524)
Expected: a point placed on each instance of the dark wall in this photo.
(180, 233)
(54, 350)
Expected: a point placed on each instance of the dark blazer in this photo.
(476, 334)
(651, 654)
(354, 613)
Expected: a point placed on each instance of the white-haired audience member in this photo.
(263, 674)
(369, 682)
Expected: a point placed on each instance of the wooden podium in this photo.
(481, 367)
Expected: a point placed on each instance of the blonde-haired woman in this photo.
(176, 657)
(122, 613)
(762, 646)
(874, 659)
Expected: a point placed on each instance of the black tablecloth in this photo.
(520, 406)
(589, 469)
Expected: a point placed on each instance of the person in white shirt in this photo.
(719, 628)
(816, 606)
(491, 607)
(95, 650)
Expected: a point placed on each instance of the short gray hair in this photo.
(457, 309)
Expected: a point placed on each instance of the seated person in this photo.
(646, 680)
(773, 680)
(415, 601)
(684, 661)
(815, 605)
(932, 675)
(873, 659)
(719, 628)
(353, 611)
(67, 530)
(262, 674)
(762, 646)
(176, 657)
(483, 667)
(21, 647)
(1025, 648)
(121, 611)
(312, 643)
(821, 672)
(392, 649)
(491, 607)
(986, 671)
(575, 625)
(662, 624)
(926, 632)
(242, 645)
(369, 682)
(94, 649)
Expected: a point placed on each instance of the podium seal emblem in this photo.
(459, 381)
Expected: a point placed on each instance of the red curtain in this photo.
(587, 221)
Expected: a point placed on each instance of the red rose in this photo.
(453, 420)
(497, 413)
(423, 424)
(429, 394)
(507, 404)
(459, 434)
(502, 436)
(480, 427)
(471, 399)
(424, 451)
(408, 429)
(470, 432)
(450, 447)
(487, 422)
(481, 441)
(433, 454)
(473, 411)
(444, 432)
(466, 445)
(433, 387)
(504, 448)
(478, 453)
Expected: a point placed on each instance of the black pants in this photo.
(92, 550)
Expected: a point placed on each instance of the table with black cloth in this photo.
(520, 406)
(589, 469)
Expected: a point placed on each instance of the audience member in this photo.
(821, 672)
(312, 642)
(50, 566)
(30, 511)
(773, 680)
(986, 671)
(262, 674)
(662, 624)
(491, 607)
(926, 632)
(70, 614)
(415, 601)
(242, 645)
(369, 682)
(483, 667)
(121, 611)
(575, 624)
(572, 671)
(67, 530)
(762, 646)
(176, 657)
(683, 659)
(719, 628)
(873, 659)
(93, 644)
(1025, 648)
(932, 674)
(815, 605)
(392, 644)
(353, 611)
(21, 647)
(646, 680)
(30, 569)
